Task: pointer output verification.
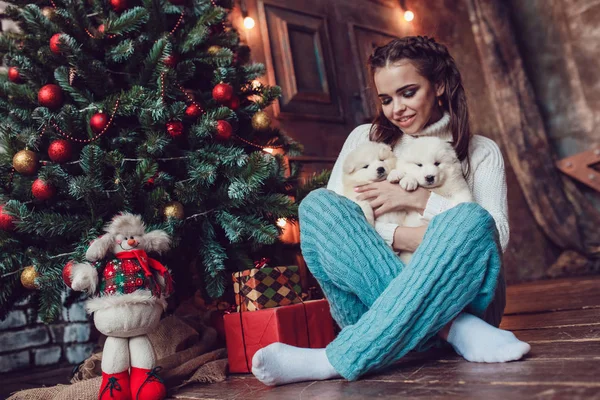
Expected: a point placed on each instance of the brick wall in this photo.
(25, 341)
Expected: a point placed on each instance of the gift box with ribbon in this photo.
(308, 324)
(266, 287)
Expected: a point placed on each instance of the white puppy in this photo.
(368, 163)
(429, 162)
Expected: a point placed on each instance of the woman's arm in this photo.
(408, 239)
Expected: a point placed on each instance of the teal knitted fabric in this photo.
(386, 309)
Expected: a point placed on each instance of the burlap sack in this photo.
(185, 351)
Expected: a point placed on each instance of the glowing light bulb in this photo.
(409, 16)
(268, 150)
(249, 23)
(256, 84)
(281, 222)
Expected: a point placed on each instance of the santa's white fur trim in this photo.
(121, 300)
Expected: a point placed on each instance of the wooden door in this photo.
(316, 51)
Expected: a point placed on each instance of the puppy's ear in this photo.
(100, 247)
(385, 152)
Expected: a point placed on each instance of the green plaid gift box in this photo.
(266, 287)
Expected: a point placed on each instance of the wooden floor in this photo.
(559, 318)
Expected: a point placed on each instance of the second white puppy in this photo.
(429, 162)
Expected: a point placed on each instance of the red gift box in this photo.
(307, 324)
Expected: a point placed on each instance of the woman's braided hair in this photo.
(435, 63)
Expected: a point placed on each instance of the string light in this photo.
(249, 23)
(268, 150)
(281, 222)
(409, 15)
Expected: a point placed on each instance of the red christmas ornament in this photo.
(101, 28)
(67, 273)
(171, 61)
(193, 111)
(7, 222)
(234, 103)
(222, 93)
(13, 75)
(175, 128)
(119, 5)
(54, 43)
(98, 122)
(60, 151)
(50, 96)
(42, 190)
(224, 130)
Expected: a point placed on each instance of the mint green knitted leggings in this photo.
(386, 309)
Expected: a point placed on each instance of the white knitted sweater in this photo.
(486, 179)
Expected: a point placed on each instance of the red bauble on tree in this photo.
(234, 103)
(60, 151)
(222, 93)
(67, 273)
(54, 43)
(101, 28)
(224, 130)
(175, 128)
(13, 75)
(98, 122)
(193, 111)
(119, 5)
(171, 61)
(7, 222)
(42, 190)
(50, 96)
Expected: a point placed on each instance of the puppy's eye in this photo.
(436, 163)
(366, 166)
(419, 165)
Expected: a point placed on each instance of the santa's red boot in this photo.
(115, 386)
(146, 384)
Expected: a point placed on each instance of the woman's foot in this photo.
(478, 341)
(279, 364)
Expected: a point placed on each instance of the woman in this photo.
(453, 287)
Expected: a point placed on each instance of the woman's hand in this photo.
(385, 197)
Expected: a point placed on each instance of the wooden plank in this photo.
(565, 334)
(553, 295)
(556, 319)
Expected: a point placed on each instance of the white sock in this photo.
(279, 363)
(478, 341)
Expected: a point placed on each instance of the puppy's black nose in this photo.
(380, 170)
(430, 178)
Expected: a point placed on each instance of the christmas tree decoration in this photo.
(50, 96)
(60, 151)
(7, 222)
(54, 43)
(193, 111)
(213, 50)
(101, 28)
(173, 209)
(98, 122)
(222, 93)
(224, 130)
(261, 121)
(25, 162)
(171, 61)
(28, 277)
(177, 2)
(175, 128)
(67, 273)
(42, 190)
(119, 5)
(48, 12)
(13, 75)
(234, 103)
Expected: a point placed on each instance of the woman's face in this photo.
(408, 99)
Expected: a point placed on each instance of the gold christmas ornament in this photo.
(48, 12)
(28, 277)
(173, 209)
(213, 50)
(261, 121)
(25, 162)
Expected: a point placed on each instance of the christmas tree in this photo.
(143, 106)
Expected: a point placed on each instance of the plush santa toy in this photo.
(128, 291)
